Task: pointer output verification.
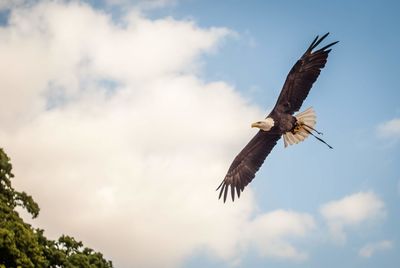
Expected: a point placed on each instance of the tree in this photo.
(21, 245)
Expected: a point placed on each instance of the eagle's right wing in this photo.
(245, 165)
(302, 76)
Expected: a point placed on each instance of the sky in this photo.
(122, 117)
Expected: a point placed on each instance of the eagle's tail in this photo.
(305, 124)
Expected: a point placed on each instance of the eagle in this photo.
(281, 121)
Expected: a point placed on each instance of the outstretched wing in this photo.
(245, 165)
(302, 76)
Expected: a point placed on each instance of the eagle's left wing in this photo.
(245, 165)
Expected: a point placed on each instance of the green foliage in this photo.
(67, 252)
(23, 246)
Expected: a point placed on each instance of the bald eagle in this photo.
(281, 121)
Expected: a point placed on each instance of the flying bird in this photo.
(281, 121)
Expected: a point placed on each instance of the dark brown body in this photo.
(284, 122)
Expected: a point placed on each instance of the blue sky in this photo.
(356, 98)
(356, 92)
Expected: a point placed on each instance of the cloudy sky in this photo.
(122, 117)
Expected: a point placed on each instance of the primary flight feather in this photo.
(280, 121)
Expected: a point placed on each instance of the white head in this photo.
(265, 124)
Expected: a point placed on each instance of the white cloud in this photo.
(126, 4)
(350, 211)
(371, 248)
(87, 49)
(142, 4)
(390, 129)
(122, 145)
(6, 4)
(268, 233)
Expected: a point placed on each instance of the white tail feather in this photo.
(305, 119)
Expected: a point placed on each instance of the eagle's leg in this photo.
(318, 138)
(319, 133)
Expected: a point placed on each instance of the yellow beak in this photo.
(254, 125)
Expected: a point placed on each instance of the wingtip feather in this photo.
(225, 192)
(319, 40)
(328, 46)
(312, 43)
(221, 191)
(219, 186)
